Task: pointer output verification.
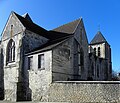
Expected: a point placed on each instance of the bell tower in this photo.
(100, 46)
(101, 49)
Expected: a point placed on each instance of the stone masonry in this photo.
(49, 65)
(84, 92)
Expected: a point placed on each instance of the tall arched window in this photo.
(10, 57)
(92, 69)
(81, 57)
(98, 51)
(80, 60)
(98, 71)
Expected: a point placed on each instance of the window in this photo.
(95, 51)
(81, 33)
(79, 66)
(98, 51)
(92, 68)
(78, 55)
(10, 57)
(41, 61)
(81, 57)
(80, 60)
(98, 71)
(11, 31)
(30, 63)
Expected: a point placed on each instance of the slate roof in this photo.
(30, 25)
(39, 30)
(68, 28)
(55, 36)
(99, 38)
(49, 45)
(26, 16)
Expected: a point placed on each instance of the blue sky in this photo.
(53, 13)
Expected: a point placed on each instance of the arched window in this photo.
(98, 51)
(81, 57)
(92, 69)
(10, 57)
(98, 71)
(80, 60)
(95, 51)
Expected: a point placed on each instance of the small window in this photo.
(11, 34)
(98, 51)
(41, 61)
(95, 51)
(30, 63)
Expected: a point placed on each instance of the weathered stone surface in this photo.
(67, 59)
(15, 83)
(11, 70)
(62, 61)
(31, 102)
(40, 78)
(32, 40)
(88, 92)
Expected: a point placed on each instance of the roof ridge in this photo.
(66, 23)
(77, 24)
(69, 27)
(23, 18)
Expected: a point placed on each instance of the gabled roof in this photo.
(49, 45)
(26, 16)
(37, 29)
(68, 28)
(29, 25)
(99, 38)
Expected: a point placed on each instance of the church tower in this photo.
(102, 50)
(101, 47)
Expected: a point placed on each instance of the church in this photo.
(31, 57)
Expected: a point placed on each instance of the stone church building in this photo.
(31, 57)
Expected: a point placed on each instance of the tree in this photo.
(115, 76)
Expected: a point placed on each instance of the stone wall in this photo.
(97, 68)
(11, 70)
(1, 75)
(12, 30)
(39, 79)
(62, 61)
(81, 37)
(32, 40)
(105, 53)
(88, 92)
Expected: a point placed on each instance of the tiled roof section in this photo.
(68, 28)
(98, 38)
(56, 35)
(39, 30)
(31, 26)
(49, 45)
